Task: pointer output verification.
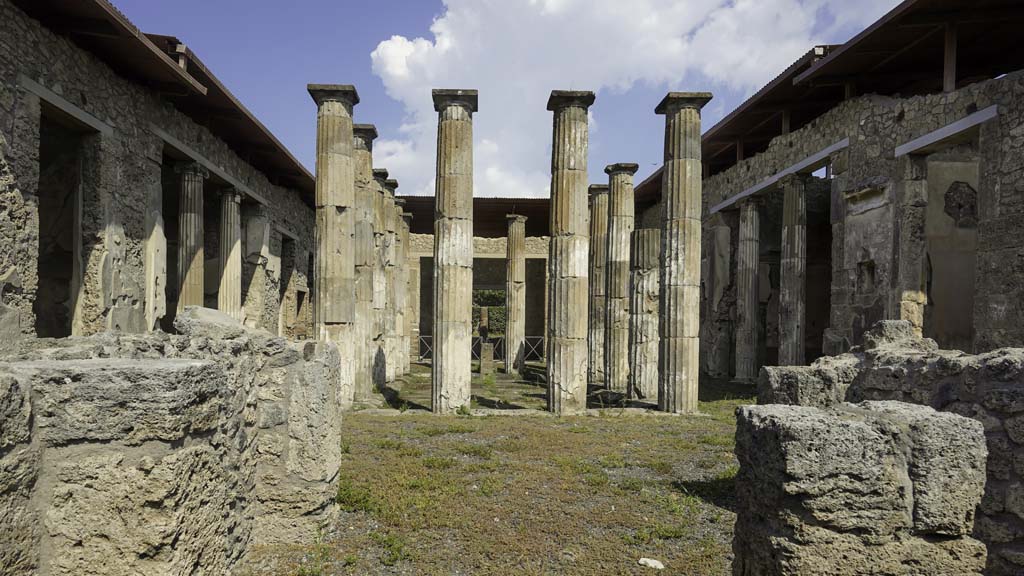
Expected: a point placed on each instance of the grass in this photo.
(533, 495)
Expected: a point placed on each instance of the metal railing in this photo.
(535, 350)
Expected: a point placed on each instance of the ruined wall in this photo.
(163, 454)
(894, 364)
(536, 246)
(121, 179)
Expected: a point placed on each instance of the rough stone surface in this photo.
(159, 454)
(881, 488)
(620, 229)
(643, 314)
(896, 364)
(597, 309)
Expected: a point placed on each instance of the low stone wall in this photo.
(894, 364)
(876, 488)
(164, 454)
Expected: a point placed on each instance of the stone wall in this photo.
(894, 364)
(536, 246)
(122, 232)
(158, 454)
(875, 488)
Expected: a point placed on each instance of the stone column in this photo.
(391, 211)
(515, 295)
(568, 253)
(408, 312)
(597, 307)
(453, 251)
(334, 294)
(679, 357)
(190, 234)
(645, 263)
(400, 347)
(366, 199)
(793, 271)
(913, 257)
(229, 296)
(380, 293)
(748, 256)
(620, 229)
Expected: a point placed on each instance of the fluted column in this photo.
(390, 281)
(748, 256)
(644, 305)
(515, 295)
(620, 229)
(568, 254)
(793, 271)
(334, 294)
(453, 251)
(366, 198)
(229, 296)
(679, 358)
(399, 346)
(405, 287)
(597, 283)
(190, 234)
(380, 292)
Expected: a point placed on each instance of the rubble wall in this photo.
(894, 364)
(158, 454)
(122, 228)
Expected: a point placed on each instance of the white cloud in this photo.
(516, 51)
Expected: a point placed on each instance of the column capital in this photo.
(399, 202)
(597, 189)
(755, 201)
(345, 93)
(380, 174)
(516, 218)
(792, 178)
(364, 135)
(444, 98)
(613, 169)
(231, 194)
(191, 167)
(675, 101)
(391, 185)
(566, 98)
(406, 216)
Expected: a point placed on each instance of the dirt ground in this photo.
(527, 493)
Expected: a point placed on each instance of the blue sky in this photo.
(514, 51)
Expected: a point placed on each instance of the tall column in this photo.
(399, 348)
(366, 198)
(453, 251)
(597, 284)
(679, 358)
(405, 342)
(515, 295)
(644, 305)
(390, 281)
(190, 234)
(793, 271)
(334, 306)
(748, 256)
(229, 296)
(620, 229)
(568, 253)
(912, 273)
(380, 292)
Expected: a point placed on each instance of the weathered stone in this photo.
(643, 314)
(617, 294)
(196, 322)
(365, 258)
(190, 234)
(515, 295)
(748, 309)
(597, 277)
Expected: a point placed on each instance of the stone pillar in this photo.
(453, 251)
(645, 263)
(748, 256)
(415, 277)
(391, 211)
(568, 253)
(620, 229)
(793, 271)
(597, 307)
(229, 296)
(679, 357)
(365, 203)
(401, 286)
(408, 314)
(515, 295)
(190, 234)
(380, 292)
(334, 294)
(913, 269)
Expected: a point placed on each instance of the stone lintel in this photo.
(597, 189)
(621, 168)
(678, 100)
(445, 97)
(333, 92)
(367, 132)
(566, 98)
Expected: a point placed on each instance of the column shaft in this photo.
(679, 358)
(229, 296)
(620, 229)
(380, 300)
(390, 282)
(405, 294)
(643, 314)
(748, 256)
(515, 295)
(597, 308)
(913, 257)
(567, 304)
(365, 202)
(190, 235)
(453, 251)
(793, 272)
